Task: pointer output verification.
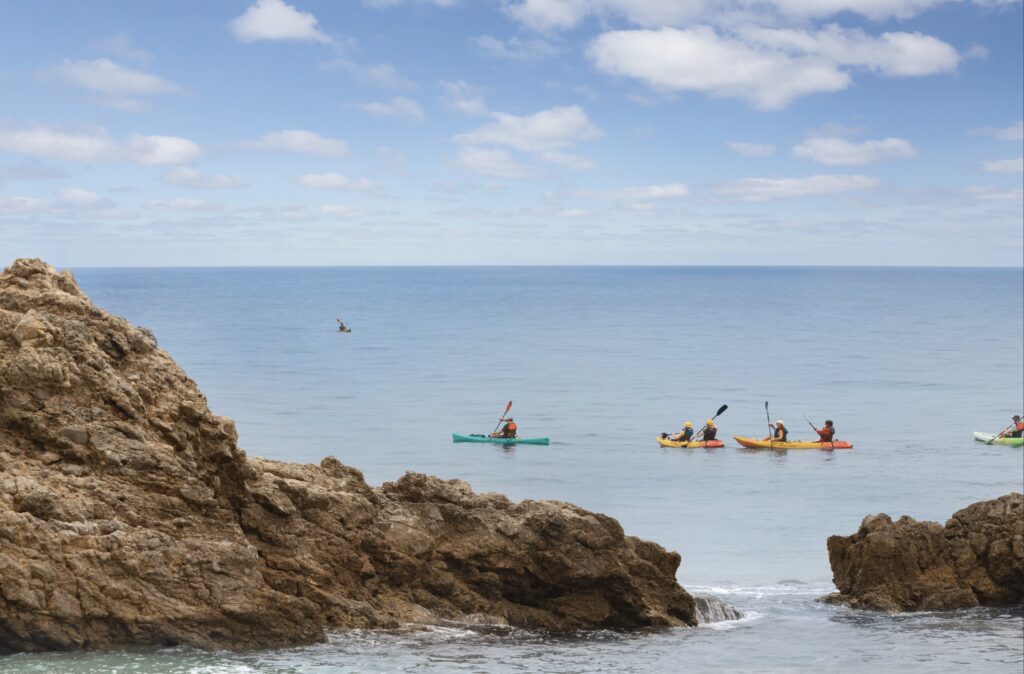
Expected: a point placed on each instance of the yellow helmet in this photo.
(711, 422)
(688, 424)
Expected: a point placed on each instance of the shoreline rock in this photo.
(976, 559)
(129, 516)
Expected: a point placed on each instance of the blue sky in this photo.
(264, 132)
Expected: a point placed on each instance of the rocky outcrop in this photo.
(129, 516)
(976, 559)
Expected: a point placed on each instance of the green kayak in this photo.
(988, 438)
(499, 441)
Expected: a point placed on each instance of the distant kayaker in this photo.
(508, 430)
(827, 433)
(779, 432)
(684, 435)
(342, 327)
(1016, 430)
(710, 431)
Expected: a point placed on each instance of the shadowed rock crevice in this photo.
(129, 516)
(976, 559)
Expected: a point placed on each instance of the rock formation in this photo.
(976, 559)
(129, 516)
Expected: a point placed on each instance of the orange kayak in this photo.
(752, 443)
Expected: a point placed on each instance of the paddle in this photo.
(771, 434)
(717, 414)
(507, 408)
(832, 442)
(996, 436)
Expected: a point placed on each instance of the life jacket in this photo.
(826, 434)
(785, 434)
(511, 428)
(1018, 430)
(710, 433)
(687, 435)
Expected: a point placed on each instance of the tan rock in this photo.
(977, 558)
(129, 516)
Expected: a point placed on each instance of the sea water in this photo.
(908, 362)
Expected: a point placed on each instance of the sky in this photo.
(473, 132)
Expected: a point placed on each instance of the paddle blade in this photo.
(721, 409)
(507, 407)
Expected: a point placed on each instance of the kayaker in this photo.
(779, 432)
(710, 431)
(827, 433)
(342, 327)
(684, 435)
(1016, 430)
(508, 430)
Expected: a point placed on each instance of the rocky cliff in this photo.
(977, 558)
(129, 516)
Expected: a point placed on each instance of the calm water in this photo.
(907, 361)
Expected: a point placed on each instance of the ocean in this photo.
(907, 361)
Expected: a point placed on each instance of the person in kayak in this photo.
(684, 435)
(779, 432)
(508, 430)
(342, 327)
(826, 433)
(710, 431)
(1016, 430)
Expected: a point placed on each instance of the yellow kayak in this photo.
(665, 442)
(752, 443)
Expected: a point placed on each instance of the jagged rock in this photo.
(130, 516)
(977, 558)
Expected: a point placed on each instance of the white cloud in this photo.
(650, 192)
(836, 151)
(1005, 166)
(396, 107)
(546, 15)
(572, 213)
(548, 130)
(770, 189)
(767, 67)
(96, 146)
(877, 10)
(1012, 132)
(568, 160)
(493, 162)
(276, 20)
(162, 150)
(988, 193)
(463, 98)
(752, 149)
(550, 15)
(186, 204)
(515, 49)
(892, 54)
(298, 141)
(106, 77)
(43, 141)
(335, 181)
(341, 211)
(186, 176)
(698, 59)
(640, 193)
(79, 198)
(382, 75)
(69, 200)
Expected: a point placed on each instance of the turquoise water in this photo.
(908, 362)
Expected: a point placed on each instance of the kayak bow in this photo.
(456, 437)
(752, 443)
(988, 437)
